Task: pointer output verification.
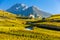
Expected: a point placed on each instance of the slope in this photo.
(17, 30)
(23, 10)
(17, 8)
(36, 12)
(9, 19)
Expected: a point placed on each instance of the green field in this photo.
(12, 28)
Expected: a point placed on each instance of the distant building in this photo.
(31, 16)
(39, 16)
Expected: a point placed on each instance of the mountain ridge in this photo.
(23, 10)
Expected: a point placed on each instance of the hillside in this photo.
(54, 17)
(13, 28)
(52, 22)
(9, 19)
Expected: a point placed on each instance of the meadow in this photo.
(12, 28)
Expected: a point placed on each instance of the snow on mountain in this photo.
(26, 11)
(17, 8)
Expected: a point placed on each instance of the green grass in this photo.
(37, 33)
(57, 24)
(12, 28)
(54, 17)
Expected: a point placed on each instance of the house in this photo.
(31, 16)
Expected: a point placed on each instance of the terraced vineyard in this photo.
(12, 28)
(18, 34)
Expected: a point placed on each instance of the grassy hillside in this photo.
(12, 28)
(9, 19)
(54, 17)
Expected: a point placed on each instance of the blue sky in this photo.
(51, 6)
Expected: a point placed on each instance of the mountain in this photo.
(26, 11)
(17, 8)
(36, 12)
